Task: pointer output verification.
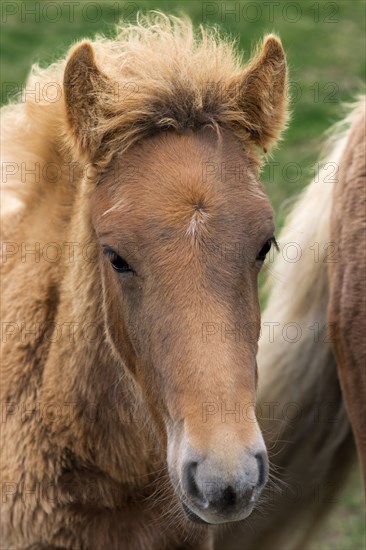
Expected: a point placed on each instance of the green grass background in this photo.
(325, 44)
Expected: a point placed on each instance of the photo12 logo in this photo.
(67, 11)
(270, 12)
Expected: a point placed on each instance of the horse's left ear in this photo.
(85, 86)
(262, 93)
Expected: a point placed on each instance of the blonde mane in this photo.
(160, 74)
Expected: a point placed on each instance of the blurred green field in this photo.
(325, 45)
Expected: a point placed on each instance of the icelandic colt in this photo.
(143, 229)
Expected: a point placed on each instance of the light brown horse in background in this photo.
(320, 300)
(118, 427)
(347, 279)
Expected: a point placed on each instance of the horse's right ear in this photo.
(84, 86)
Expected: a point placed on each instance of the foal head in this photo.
(184, 226)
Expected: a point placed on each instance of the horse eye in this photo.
(265, 249)
(119, 264)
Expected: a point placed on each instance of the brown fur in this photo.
(347, 279)
(88, 419)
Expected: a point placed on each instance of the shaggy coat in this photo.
(104, 375)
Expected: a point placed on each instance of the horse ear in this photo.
(262, 90)
(84, 85)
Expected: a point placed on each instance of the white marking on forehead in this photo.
(199, 217)
(121, 204)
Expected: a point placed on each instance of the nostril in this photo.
(190, 479)
(228, 497)
(262, 470)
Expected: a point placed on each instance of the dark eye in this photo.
(265, 249)
(119, 264)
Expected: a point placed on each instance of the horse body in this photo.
(303, 410)
(105, 372)
(347, 279)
